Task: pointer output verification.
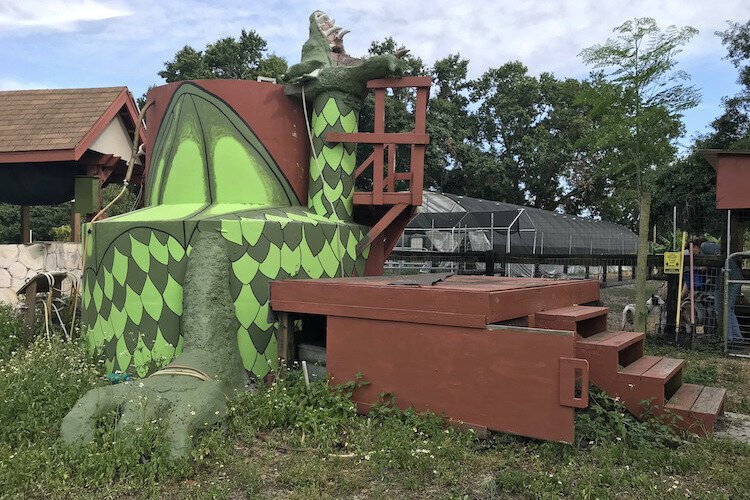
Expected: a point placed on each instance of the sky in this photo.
(97, 43)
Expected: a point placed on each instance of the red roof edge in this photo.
(124, 99)
(51, 155)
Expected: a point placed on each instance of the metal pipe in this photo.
(492, 230)
(507, 240)
(679, 286)
(692, 289)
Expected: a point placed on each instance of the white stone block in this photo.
(8, 255)
(17, 270)
(8, 296)
(69, 256)
(32, 256)
(4, 278)
(17, 283)
(51, 262)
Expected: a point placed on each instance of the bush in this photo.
(60, 233)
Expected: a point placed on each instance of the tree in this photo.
(531, 126)
(241, 58)
(639, 110)
(677, 183)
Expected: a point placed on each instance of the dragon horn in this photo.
(331, 30)
(341, 34)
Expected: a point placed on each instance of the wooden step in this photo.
(617, 340)
(641, 366)
(584, 320)
(576, 313)
(697, 406)
(685, 397)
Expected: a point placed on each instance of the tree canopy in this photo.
(241, 58)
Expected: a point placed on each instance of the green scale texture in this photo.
(210, 174)
(332, 167)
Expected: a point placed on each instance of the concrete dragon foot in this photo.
(191, 392)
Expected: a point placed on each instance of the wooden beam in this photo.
(378, 138)
(399, 83)
(25, 224)
(75, 226)
(285, 338)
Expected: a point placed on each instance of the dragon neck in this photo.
(331, 189)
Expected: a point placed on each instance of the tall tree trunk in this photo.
(642, 262)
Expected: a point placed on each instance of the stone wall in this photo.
(20, 262)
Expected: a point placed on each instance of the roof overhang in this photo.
(123, 104)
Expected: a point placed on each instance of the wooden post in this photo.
(75, 226)
(489, 263)
(28, 323)
(587, 272)
(619, 272)
(25, 224)
(285, 339)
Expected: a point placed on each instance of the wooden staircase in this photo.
(618, 366)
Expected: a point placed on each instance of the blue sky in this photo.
(88, 43)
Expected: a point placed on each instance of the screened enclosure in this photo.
(452, 223)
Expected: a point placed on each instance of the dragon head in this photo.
(322, 25)
(326, 65)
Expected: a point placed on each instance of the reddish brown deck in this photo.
(495, 353)
(470, 301)
(430, 341)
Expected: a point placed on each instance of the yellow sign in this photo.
(671, 262)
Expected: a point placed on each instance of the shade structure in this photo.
(448, 222)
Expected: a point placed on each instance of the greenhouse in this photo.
(452, 223)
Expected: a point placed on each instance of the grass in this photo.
(285, 442)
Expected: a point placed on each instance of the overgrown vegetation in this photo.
(283, 441)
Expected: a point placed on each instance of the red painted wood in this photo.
(641, 366)
(400, 83)
(685, 397)
(573, 371)
(378, 137)
(732, 179)
(504, 380)
(665, 368)
(576, 313)
(493, 297)
(710, 400)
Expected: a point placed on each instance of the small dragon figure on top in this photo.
(336, 83)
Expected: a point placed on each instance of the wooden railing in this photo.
(384, 175)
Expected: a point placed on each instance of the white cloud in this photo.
(59, 15)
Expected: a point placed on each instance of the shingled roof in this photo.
(56, 120)
(36, 120)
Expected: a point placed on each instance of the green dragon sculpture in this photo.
(337, 84)
(178, 291)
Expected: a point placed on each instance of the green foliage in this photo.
(285, 441)
(42, 217)
(61, 233)
(11, 332)
(677, 184)
(123, 205)
(240, 58)
(38, 386)
(47, 220)
(531, 126)
(606, 421)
